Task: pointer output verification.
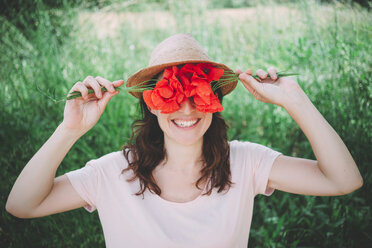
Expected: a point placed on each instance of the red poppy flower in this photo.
(192, 76)
(208, 103)
(196, 81)
(192, 80)
(212, 73)
(168, 93)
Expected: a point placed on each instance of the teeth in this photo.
(185, 123)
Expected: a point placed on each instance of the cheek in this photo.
(208, 121)
(163, 124)
(162, 119)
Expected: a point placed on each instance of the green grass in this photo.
(328, 45)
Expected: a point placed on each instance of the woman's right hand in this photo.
(82, 113)
(37, 192)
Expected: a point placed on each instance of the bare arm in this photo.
(37, 178)
(36, 191)
(334, 172)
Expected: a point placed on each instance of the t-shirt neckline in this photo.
(192, 202)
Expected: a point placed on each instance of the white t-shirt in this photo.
(218, 220)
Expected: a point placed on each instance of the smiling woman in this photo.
(182, 141)
(197, 187)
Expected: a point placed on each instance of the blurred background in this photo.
(47, 46)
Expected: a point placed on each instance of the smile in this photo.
(185, 123)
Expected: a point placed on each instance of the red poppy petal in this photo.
(187, 68)
(157, 100)
(215, 105)
(198, 80)
(185, 80)
(204, 88)
(190, 91)
(175, 72)
(211, 72)
(215, 74)
(201, 73)
(165, 92)
(203, 95)
(167, 73)
(161, 83)
(147, 98)
(180, 98)
(201, 109)
(170, 107)
(198, 100)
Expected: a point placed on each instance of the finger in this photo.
(272, 73)
(118, 83)
(248, 80)
(249, 88)
(90, 81)
(107, 84)
(80, 87)
(249, 71)
(261, 74)
(254, 92)
(238, 71)
(105, 99)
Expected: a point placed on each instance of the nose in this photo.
(187, 106)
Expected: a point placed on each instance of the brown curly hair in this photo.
(145, 150)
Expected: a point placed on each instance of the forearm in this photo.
(36, 179)
(334, 159)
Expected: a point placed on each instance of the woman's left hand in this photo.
(282, 91)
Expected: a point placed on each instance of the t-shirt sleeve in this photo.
(86, 182)
(258, 161)
(263, 159)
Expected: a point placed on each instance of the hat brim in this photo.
(151, 71)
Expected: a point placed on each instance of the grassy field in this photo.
(328, 45)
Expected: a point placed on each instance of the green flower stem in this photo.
(232, 77)
(279, 75)
(137, 88)
(225, 79)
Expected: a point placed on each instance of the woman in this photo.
(197, 188)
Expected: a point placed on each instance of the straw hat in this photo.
(175, 50)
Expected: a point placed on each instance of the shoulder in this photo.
(111, 161)
(246, 145)
(113, 156)
(244, 150)
(237, 146)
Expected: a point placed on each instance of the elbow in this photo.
(351, 187)
(359, 184)
(15, 211)
(11, 209)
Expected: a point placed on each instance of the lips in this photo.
(185, 123)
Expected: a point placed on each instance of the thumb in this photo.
(248, 80)
(105, 99)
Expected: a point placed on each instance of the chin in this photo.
(188, 141)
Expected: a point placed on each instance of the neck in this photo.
(184, 159)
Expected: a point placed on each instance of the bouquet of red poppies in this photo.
(177, 85)
(197, 81)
